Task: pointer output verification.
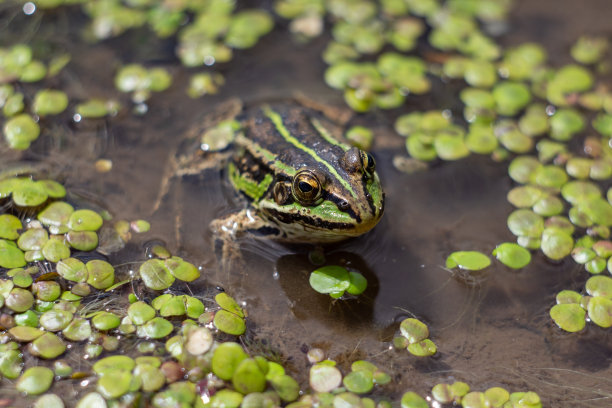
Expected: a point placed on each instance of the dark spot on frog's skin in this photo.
(269, 231)
(282, 193)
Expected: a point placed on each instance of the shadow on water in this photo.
(293, 272)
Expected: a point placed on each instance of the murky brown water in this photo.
(492, 332)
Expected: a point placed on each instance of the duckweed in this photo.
(230, 319)
(140, 81)
(35, 380)
(324, 377)
(511, 97)
(96, 108)
(49, 102)
(512, 255)
(567, 80)
(413, 400)
(20, 131)
(469, 260)
(415, 338)
(589, 50)
(335, 280)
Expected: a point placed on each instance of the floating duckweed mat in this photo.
(49, 305)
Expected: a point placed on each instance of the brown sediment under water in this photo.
(491, 330)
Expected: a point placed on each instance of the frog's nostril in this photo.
(343, 205)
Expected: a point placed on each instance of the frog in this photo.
(299, 179)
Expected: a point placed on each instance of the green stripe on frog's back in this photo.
(331, 152)
(270, 159)
(326, 135)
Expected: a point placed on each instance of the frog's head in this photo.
(328, 202)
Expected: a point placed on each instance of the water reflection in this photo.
(293, 272)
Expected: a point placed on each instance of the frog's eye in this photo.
(306, 187)
(368, 163)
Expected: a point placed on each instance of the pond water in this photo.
(491, 330)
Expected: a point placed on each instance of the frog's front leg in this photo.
(230, 229)
(236, 225)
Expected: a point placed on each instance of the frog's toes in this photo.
(235, 225)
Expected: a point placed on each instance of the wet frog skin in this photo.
(302, 182)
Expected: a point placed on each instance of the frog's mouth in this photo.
(304, 226)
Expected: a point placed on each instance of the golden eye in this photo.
(306, 187)
(368, 164)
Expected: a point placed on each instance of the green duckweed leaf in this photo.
(599, 286)
(35, 380)
(423, 348)
(510, 97)
(556, 243)
(526, 223)
(55, 320)
(25, 333)
(9, 225)
(55, 250)
(48, 346)
(589, 49)
(567, 80)
(226, 398)
(140, 312)
(512, 255)
(522, 168)
(156, 275)
(228, 303)
(49, 102)
(600, 311)
(248, 377)
(568, 297)
(78, 329)
(85, 220)
(568, 316)
(324, 378)
(113, 363)
(10, 255)
(413, 400)
(414, 330)
(470, 260)
(358, 283)
(565, 123)
(359, 382)
(157, 328)
(226, 358)
(104, 321)
(286, 387)
(524, 196)
(229, 323)
(330, 279)
(20, 131)
(19, 300)
(72, 269)
(114, 384)
(56, 216)
(33, 239)
(101, 274)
